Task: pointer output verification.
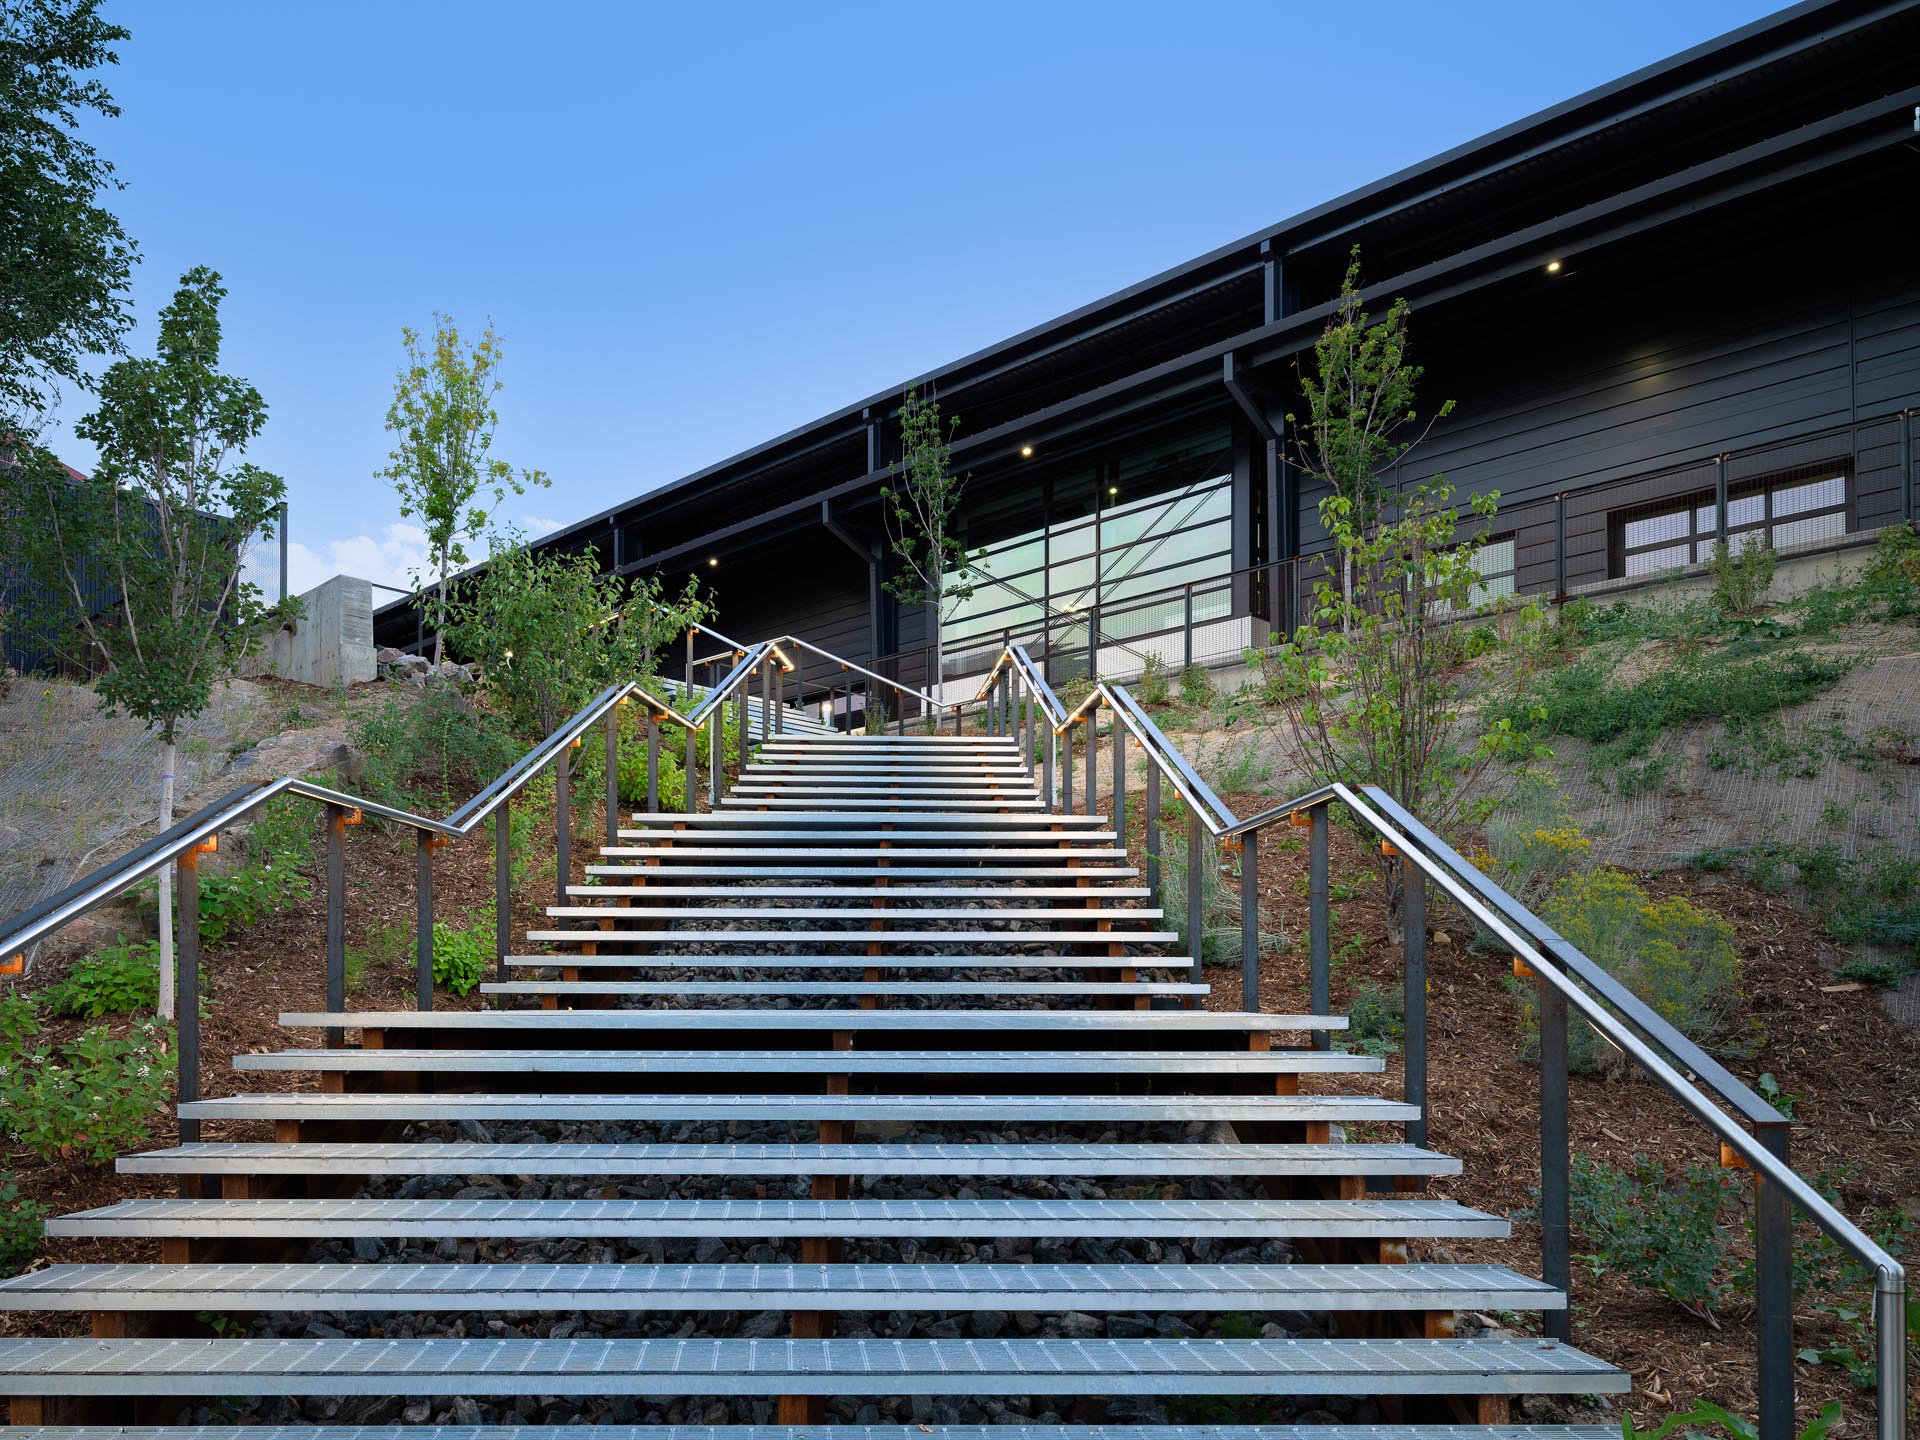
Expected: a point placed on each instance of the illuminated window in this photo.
(1796, 511)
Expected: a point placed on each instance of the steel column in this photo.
(335, 824)
(1250, 922)
(502, 886)
(1906, 466)
(1093, 642)
(1319, 980)
(1555, 1161)
(613, 776)
(1414, 1007)
(1720, 497)
(1151, 844)
(1773, 1289)
(1186, 625)
(1560, 546)
(186, 993)
(423, 919)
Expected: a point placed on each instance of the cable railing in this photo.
(1017, 699)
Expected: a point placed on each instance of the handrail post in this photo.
(1093, 641)
(562, 820)
(1413, 889)
(335, 825)
(693, 738)
(1151, 845)
(186, 990)
(1119, 784)
(1320, 985)
(1249, 922)
(653, 765)
(1196, 897)
(1006, 698)
(1066, 770)
(1186, 626)
(766, 699)
(716, 753)
(779, 700)
(1773, 1289)
(1556, 1265)
(1093, 764)
(423, 918)
(1044, 742)
(1719, 497)
(613, 776)
(502, 886)
(746, 684)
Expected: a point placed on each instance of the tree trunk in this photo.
(169, 755)
(440, 621)
(939, 651)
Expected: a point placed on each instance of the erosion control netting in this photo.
(77, 785)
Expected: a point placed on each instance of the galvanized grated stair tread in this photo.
(673, 875)
(824, 1432)
(902, 856)
(828, 1062)
(1055, 1109)
(814, 1367)
(679, 936)
(857, 961)
(768, 894)
(974, 1286)
(986, 988)
(991, 1021)
(786, 914)
(1089, 1160)
(851, 1219)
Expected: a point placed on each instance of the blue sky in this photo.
(698, 226)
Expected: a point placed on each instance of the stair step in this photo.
(1030, 913)
(904, 857)
(676, 874)
(1520, 1431)
(857, 962)
(826, 818)
(983, 988)
(801, 1367)
(853, 894)
(445, 1288)
(1156, 1161)
(1004, 1022)
(785, 1219)
(975, 1109)
(1064, 841)
(823, 1062)
(684, 934)
(1010, 803)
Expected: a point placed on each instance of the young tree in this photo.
(64, 260)
(444, 417)
(1359, 400)
(919, 514)
(163, 525)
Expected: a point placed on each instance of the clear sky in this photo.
(700, 225)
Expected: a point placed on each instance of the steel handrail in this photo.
(1016, 657)
(1569, 972)
(114, 878)
(898, 688)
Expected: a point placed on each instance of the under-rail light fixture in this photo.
(1026, 452)
(1553, 267)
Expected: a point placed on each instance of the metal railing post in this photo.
(779, 700)
(1196, 894)
(693, 738)
(1066, 770)
(1186, 626)
(1120, 784)
(186, 992)
(1560, 546)
(1720, 497)
(1045, 746)
(1319, 981)
(1093, 642)
(956, 719)
(1773, 1289)
(1093, 764)
(502, 886)
(1414, 1006)
(1151, 844)
(1250, 922)
(743, 737)
(562, 820)
(716, 754)
(1556, 1264)
(613, 776)
(1006, 697)
(766, 699)
(334, 823)
(423, 919)
(653, 764)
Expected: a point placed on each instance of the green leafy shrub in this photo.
(1153, 687)
(122, 979)
(1663, 1231)
(21, 1225)
(1241, 768)
(462, 957)
(1740, 582)
(590, 761)
(1872, 898)
(1705, 1412)
(93, 1097)
(1679, 959)
(1196, 686)
(235, 899)
(428, 753)
(1376, 1020)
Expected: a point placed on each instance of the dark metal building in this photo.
(1683, 304)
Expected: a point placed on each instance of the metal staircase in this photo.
(888, 1024)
